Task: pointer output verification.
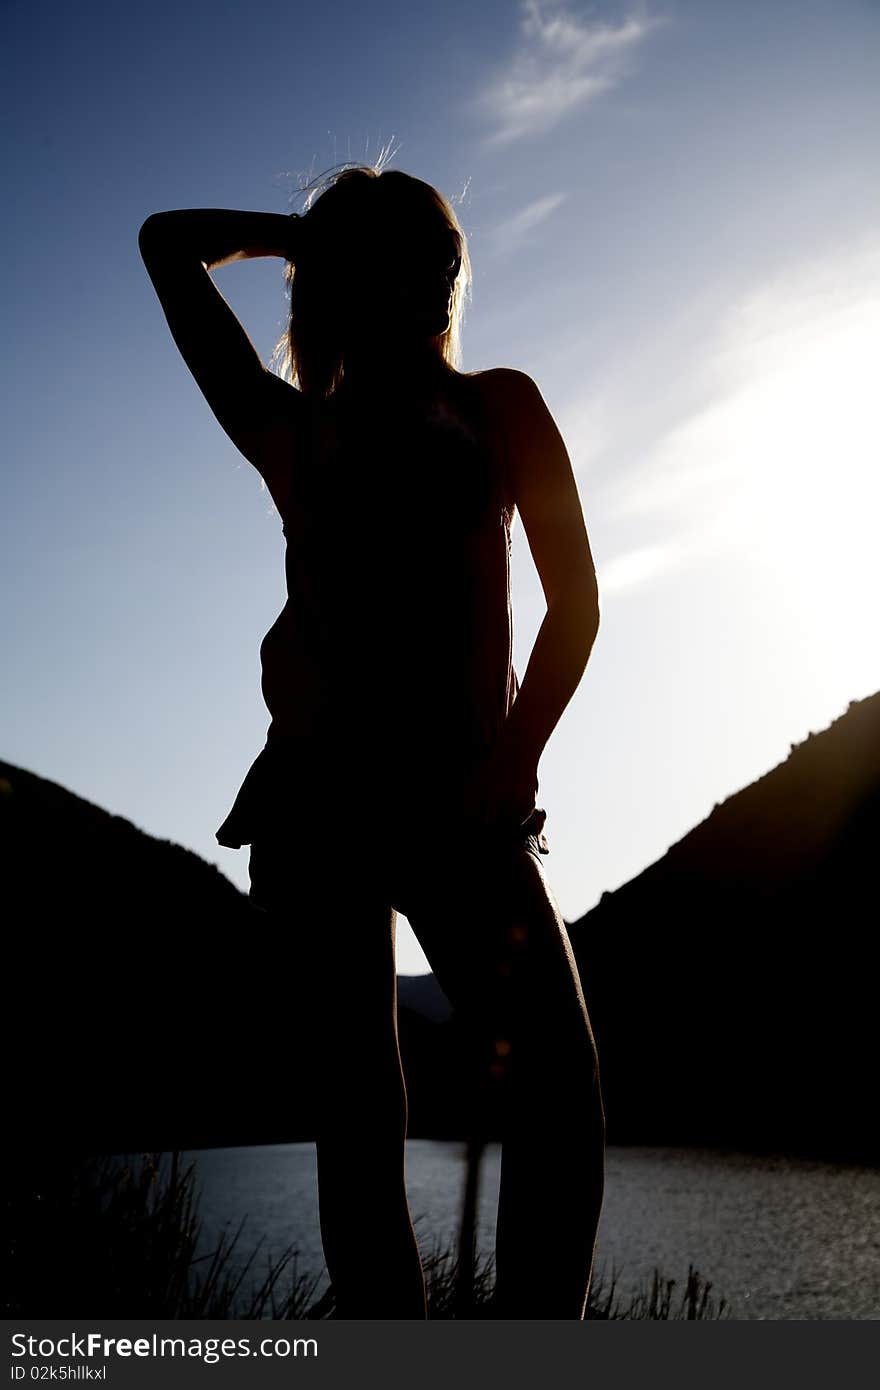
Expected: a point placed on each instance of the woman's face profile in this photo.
(401, 284)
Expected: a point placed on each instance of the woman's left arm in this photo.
(543, 486)
(545, 491)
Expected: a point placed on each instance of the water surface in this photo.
(778, 1237)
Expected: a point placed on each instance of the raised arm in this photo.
(218, 236)
(257, 409)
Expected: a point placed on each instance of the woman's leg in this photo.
(334, 968)
(493, 932)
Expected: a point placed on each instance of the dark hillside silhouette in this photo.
(135, 1008)
(732, 983)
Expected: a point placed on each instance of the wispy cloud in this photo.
(510, 233)
(562, 62)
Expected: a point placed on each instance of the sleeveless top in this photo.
(390, 666)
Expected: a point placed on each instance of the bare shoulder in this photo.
(542, 487)
(510, 402)
(516, 414)
(506, 384)
(515, 408)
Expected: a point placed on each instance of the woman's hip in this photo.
(393, 852)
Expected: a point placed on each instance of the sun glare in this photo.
(784, 467)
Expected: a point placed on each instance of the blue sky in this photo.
(673, 214)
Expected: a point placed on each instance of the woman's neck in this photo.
(417, 373)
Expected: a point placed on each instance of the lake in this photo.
(778, 1237)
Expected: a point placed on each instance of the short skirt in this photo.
(292, 786)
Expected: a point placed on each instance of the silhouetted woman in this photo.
(399, 771)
